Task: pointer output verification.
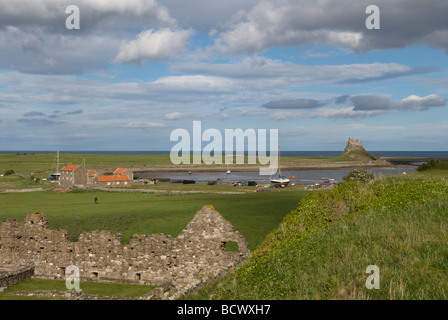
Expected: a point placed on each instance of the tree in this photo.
(9, 172)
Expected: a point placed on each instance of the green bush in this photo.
(433, 164)
(9, 172)
(359, 175)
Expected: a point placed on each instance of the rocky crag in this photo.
(355, 150)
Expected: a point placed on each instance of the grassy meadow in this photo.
(322, 248)
(254, 214)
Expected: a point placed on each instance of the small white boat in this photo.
(279, 180)
(228, 172)
(328, 180)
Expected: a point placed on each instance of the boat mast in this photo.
(57, 162)
(279, 170)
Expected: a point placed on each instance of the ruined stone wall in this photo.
(12, 275)
(199, 251)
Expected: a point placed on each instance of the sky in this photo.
(136, 70)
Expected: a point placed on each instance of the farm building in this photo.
(91, 175)
(112, 180)
(124, 172)
(73, 175)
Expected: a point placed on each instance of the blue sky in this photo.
(138, 69)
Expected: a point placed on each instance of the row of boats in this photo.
(283, 181)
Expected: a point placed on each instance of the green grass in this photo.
(322, 249)
(409, 248)
(95, 288)
(18, 182)
(253, 214)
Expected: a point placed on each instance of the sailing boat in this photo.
(228, 170)
(280, 180)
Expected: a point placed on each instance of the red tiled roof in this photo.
(92, 173)
(113, 178)
(69, 167)
(120, 171)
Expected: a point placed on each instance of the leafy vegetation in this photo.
(433, 164)
(322, 248)
(359, 175)
(9, 172)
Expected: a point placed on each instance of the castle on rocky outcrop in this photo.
(198, 252)
(355, 150)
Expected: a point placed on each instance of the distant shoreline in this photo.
(305, 167)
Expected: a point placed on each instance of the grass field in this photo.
(253, 214)
(94, 288)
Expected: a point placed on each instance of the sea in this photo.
(394, 154)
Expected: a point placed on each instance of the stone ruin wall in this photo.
(197, 252)
(12, 275)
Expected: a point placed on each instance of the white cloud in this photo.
(154, 46)
(292, 23)
(144, 125)
(286, 115)
(414, 102)
(175, 116)
(348, 112)
(34, 39)
(269, 73)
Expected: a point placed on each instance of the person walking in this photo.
(96, 200)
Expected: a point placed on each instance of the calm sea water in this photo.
(300, 176)
(413, 154)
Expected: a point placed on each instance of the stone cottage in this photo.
(72, 176)
(112, 181)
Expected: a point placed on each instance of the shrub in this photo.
(433, 164)
(9, 172)
(359, 175)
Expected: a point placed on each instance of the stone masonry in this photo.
(198, 252)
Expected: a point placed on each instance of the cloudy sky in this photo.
(138, 69)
